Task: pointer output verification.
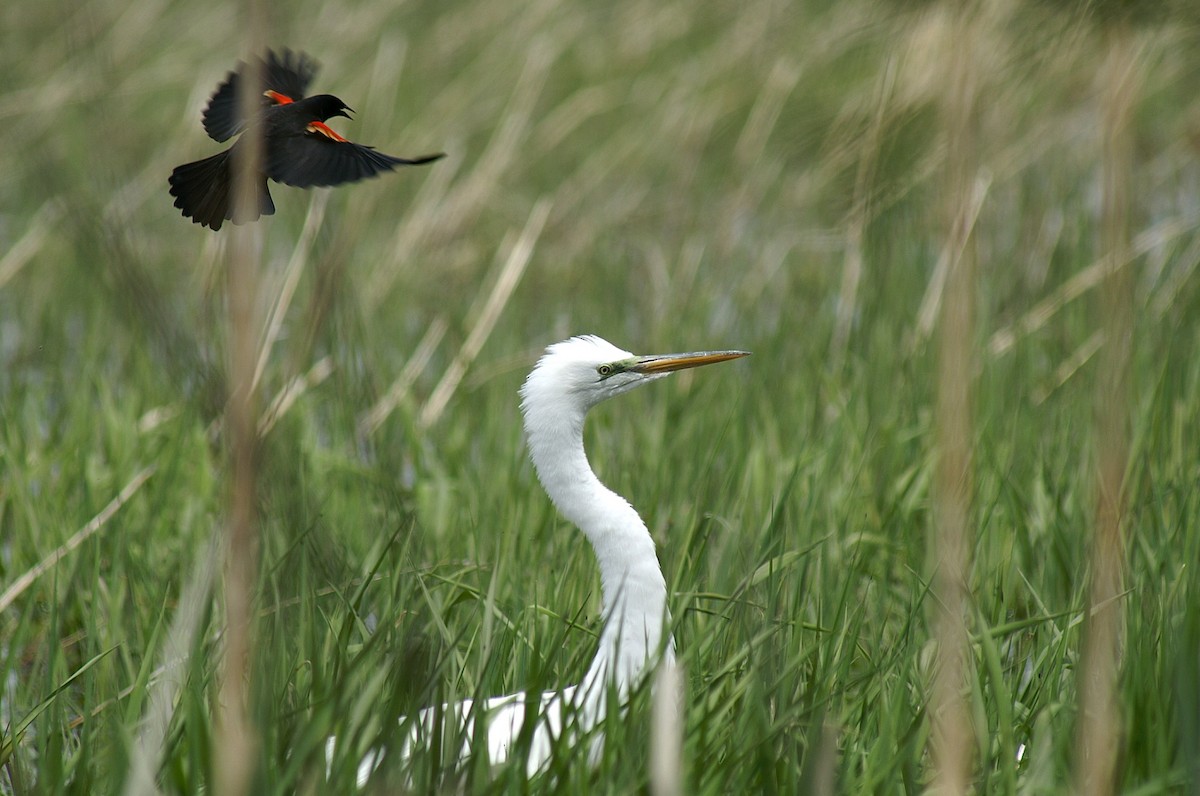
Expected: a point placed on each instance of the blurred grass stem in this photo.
(236, 742)
(952, 733)
(1099, 724)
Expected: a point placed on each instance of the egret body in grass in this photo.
(569, 379)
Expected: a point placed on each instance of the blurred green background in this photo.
(760, 175)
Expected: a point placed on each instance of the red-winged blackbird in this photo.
(299, 148)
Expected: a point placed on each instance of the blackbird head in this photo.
(326, 106)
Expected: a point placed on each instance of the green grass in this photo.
(703, 165)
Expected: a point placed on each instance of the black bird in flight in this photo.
(298, 147)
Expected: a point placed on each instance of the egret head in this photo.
(576, 374)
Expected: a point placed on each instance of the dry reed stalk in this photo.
(31, 242)
(296, 387)
(1093, 276)
(860, 214)
(168, 679)
(79, 537)
(935, 292)
(1069, 367)
(824, 780)
(235, 740)
(287, 291)
(510, 274)
(666, 735)
(446, 210)
(370, 422)
(953, 736)
(1098, 730)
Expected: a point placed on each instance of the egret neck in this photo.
(634, 594)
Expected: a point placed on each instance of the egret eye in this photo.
(605, 371)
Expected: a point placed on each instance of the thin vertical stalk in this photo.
(236, 742)
(853, 265)
(1099, 717)
(952, 732)
(666, 737)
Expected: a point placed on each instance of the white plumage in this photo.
(569, 379)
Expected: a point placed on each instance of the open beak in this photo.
(665, 363)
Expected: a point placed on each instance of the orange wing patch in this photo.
(323, 129)
(277, 98)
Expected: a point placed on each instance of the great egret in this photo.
(569, 379)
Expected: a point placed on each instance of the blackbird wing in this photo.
(287, 73)
(314, 160)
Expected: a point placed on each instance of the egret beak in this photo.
(665, 363)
